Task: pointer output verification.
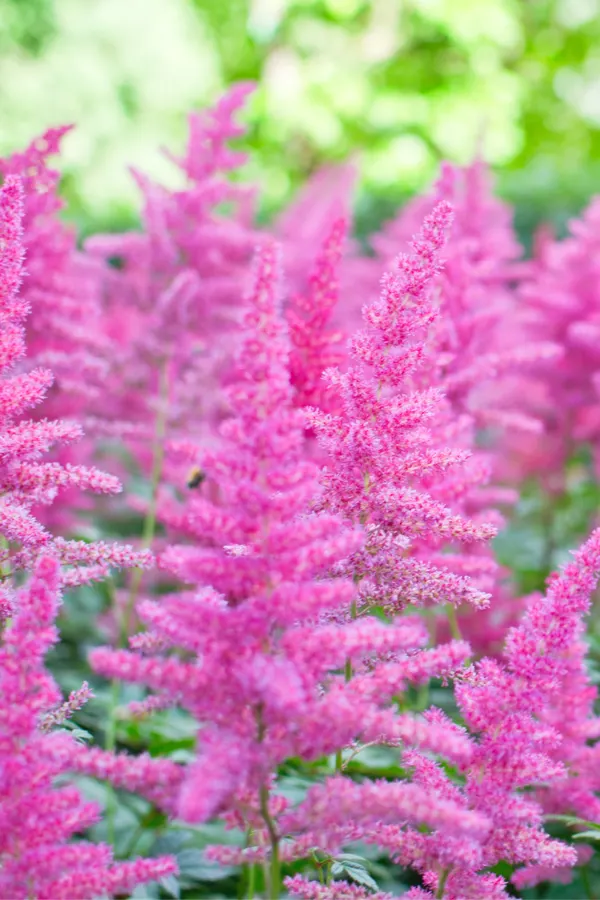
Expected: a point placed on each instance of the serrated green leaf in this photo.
(194, 865)
(170, 885)
(354, 870)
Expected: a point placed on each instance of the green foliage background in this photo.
(399, 83)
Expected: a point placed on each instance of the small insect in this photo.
(196, 477)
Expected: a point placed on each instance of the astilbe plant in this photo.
(60, 284)
(171, 301)
(530, 718)
(64, 330)
(379, 449)
(561, 300)
(513, 709)
(485, 351)
(266, 632)
(316, 345)
(27, 480)
(303, 227)
(40, 810)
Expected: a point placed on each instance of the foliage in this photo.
(403, 84)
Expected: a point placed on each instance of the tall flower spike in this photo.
(60, 285)
(379, 448)
(26, 480)
(314, 348)
(38, 818)
(172, 307)
(527, 759)
(561, 302)
(265, 626)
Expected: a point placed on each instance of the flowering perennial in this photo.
(28, 481)
(332, 664)
(38, 816)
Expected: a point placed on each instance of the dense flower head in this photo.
(315, 346)
(379, 446)
(60, 285)
(266, 628)
(27, 480)
(513, 707)
(38, 816)
(561, 303)
(171, 304)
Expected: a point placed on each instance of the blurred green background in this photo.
(399, 83)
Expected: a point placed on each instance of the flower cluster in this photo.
(27, 480)
(38, 814)
(323, 468)
(259, 618)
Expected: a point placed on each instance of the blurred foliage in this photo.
(398, 83)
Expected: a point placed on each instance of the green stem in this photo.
(273, 870)
(348, 677)
(423, 696)
(149, 527)
(110, 744)
(586, 882)
(442, 885)
(453, 623)
(251, 881)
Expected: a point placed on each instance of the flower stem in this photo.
(273, 871)
(149, 527)
(442, 884)
(347, 677)
(110, 744)
(453, 623)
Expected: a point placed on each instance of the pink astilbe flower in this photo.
(513, 708)
(172, 305)
(335, 890)
(484, 360)
(38, 818)
(561, 301)
(62, 288)
(26, 480)
(380, 449)
(266, 633)
(305, 223)
(60, 285)
(314, 346)
(485, 353)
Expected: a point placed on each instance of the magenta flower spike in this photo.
(26, 479)
(379, 447)
(266, 630)
(40, 811)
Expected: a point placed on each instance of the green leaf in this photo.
(194, 865)
(170, 885)
(571, 820)
(353, 866)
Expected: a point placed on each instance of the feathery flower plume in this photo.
(525, 761)
(266, 634)
(561, 301)
(60, 285)
(379, 448)
(314, 348)
(38, 818)
(26, 480)
(177, 287)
